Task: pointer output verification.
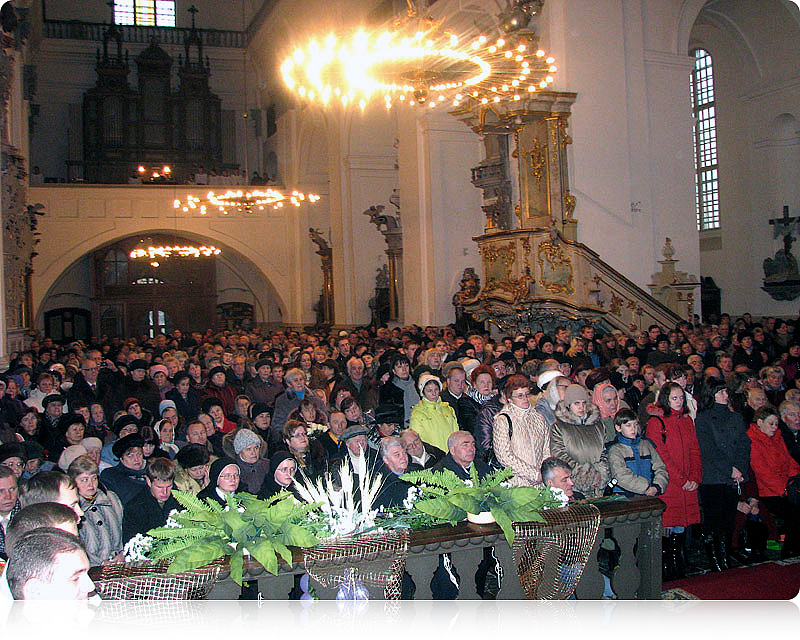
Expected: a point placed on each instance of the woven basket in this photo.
(150, 581)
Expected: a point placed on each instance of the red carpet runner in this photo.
(767, 581)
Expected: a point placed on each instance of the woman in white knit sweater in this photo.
(520, 435)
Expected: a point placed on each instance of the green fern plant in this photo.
(448, 498)
(205, 531)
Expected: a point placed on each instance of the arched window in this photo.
(153, 322)
(705, 141)
(146, 13)
(115, 268)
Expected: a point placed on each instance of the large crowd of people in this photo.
(704, 416)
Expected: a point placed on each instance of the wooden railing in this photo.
(77, 30)
(635, 525)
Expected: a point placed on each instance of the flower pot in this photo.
(484, 517)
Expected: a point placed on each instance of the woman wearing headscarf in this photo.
(223, 480)
(606, 398)
(553, 386)
(577, 437)
(282, 466)
(431, 418)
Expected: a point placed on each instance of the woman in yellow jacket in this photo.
(431, 418)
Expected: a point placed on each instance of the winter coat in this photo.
(448, 462)
(636, 466)
(101, 528)
(527, 447)
(770, 462)
(466, 409)
(288, 402)
(143, 513)
(226, 394)
(188, 408)
(483, 436)
(434, 422)
(676, 443)
(581, 443)
(126, 483)
(722, 436)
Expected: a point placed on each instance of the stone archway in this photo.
(236, 279)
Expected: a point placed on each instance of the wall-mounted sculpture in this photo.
(326, 312)
(392, 232)
(781, 276)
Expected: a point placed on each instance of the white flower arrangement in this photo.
(171, 522)
(316, 429)
(137, 548)
(344, 514)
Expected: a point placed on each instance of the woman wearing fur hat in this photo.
(577, 437)
(192, 468)
(520, 435)
(431, 418)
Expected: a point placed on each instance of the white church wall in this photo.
(755, 68)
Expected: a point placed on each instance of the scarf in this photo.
(480, 398)
(410, 396)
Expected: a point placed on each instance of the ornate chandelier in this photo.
(187, 251)
(245, 201)
(421, 61)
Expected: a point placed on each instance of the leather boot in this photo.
(667, 559)
(679, 554)
(757, 533)
(713, 562)
(721, 551)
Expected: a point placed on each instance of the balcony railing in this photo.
(77, 30)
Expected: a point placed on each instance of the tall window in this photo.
(705, 141)
(146, 13)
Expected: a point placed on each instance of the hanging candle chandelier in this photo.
(421, 61)
(245, 201)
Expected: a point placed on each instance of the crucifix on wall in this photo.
(781, 276)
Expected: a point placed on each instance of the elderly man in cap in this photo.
(355, 442)
(127, 478)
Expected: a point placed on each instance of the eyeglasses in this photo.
(229, 476)
(519, 396)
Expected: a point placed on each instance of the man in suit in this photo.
(421, 454)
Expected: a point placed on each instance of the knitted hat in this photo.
(469, 365)
(575, 393)
(13, 450)
(131, 441)
(548, 376)
(92, 443)
(257, 408)
(166, 404)
(244, 438)
(192, 455)
(69, 454)
(53, 397)
(353, 431)
(129, 401)
(137, 364)
(156, 368)
(424, 379)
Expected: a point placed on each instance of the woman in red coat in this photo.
(773, 466)
(672, 431)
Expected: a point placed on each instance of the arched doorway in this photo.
(125, 297)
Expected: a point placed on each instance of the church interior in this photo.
(664, 142)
